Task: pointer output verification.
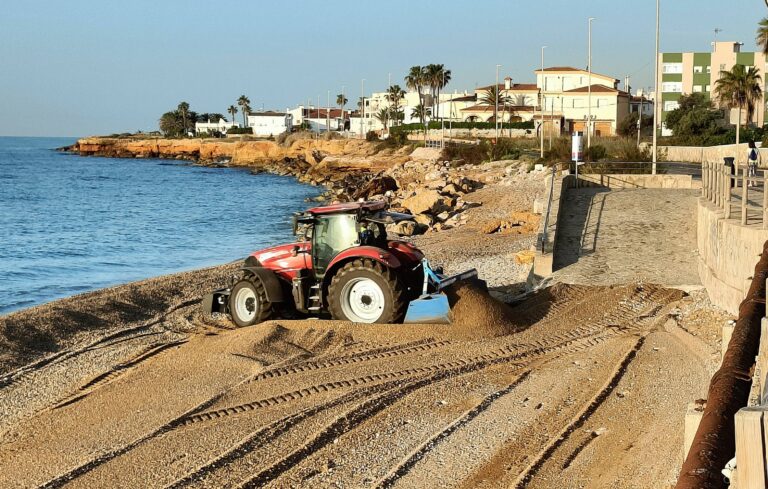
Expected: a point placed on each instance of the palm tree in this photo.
(489, 98)
(245, 107)
(383, 116)
(232, 110)
(394, 95)
(341, 101)
(437, 77)
(183, 109)
(762, 35)
(740, 88)
(416, 80)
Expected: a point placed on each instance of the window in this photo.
(670, 105)
(672, 87)
(698, 69)
(709, 70)
(672, 68)
(708, 88)
(698, 88)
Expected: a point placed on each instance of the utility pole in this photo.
(589, 81)
(442, 120)
(656, 98)
(362, 107)
(543, 103)
(343, 124)
(496, 106)
(328, 113)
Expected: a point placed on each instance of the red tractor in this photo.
(343, 264)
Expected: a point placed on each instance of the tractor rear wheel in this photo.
(365, 291)
(248, 303)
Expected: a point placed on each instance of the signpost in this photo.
(576, 153)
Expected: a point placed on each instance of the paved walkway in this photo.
(619, 236)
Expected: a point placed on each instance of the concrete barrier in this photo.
(727, 254)
(547, 235)
(708, 154)
(637, 181)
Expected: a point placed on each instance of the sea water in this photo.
(70, 224)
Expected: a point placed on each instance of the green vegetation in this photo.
(245, 107)
(628, 126)
(740, 88)
(762, 35)
(240, 130)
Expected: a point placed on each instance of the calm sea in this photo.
(70, 224)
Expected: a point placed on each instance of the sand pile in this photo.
(477, 315)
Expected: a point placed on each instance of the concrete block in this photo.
(692, 419)
(750, 449)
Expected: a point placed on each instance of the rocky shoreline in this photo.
(419, 181)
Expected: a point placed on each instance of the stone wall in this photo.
(637, 181)
(728, 252)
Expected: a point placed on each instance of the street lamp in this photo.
(656, 97)
(496, 106)
(589, 83)
(542, 104)
(362, 107)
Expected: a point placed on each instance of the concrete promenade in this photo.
(619, 236)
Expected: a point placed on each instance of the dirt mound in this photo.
(477, 315)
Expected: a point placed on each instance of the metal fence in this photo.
(721, 188)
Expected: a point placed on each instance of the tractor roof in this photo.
(349, 207)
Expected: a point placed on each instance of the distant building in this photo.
(213, 127)
(698, 72)
(270, 123)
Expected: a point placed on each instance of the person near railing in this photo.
(753, 159)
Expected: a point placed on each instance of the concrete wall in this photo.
(637, 181)
(710, 154)
(728, 252)
(543, 261)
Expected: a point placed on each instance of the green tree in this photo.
(762, 35)
(245, 107)
(383, 116)
(740, 87)
(416, 80)
(488, 97)
(436, 77)
(394, 95)
(233, 111)
(695, 120)
(183, 109)
(341, 101)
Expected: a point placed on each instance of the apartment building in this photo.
(697, 72)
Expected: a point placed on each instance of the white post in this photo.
(543, 108)
(342, 110)
(589, 89)
(328, 113)
(657, 98)
(496, 106)
(362, 107)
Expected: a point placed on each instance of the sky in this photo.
(79, 68)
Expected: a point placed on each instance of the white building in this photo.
(319, 120)
(213, 127)
(270, 123)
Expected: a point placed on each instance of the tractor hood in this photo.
(281, 257)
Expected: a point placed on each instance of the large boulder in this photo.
(376, 186)
(426, 201)
(404, 228)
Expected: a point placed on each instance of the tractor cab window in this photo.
(331, 235)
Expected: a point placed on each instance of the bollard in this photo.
(744, 195)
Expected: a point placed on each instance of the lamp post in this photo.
(362, 107)
(656, 97)
(543, 105)
(496, 106)
(589, 83)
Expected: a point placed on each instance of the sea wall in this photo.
(728, 252)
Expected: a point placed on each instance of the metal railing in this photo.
(544, 234)
(721, 188)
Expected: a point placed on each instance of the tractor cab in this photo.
(336, 228)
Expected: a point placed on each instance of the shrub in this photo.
(371, 136)
(596, 152)
(240, 130)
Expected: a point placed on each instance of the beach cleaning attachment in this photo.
(433, 307)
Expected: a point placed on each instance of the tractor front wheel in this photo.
(248, 303)
(365, 291)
